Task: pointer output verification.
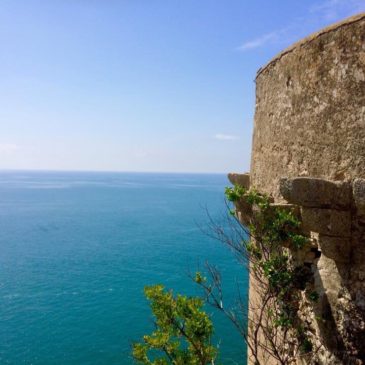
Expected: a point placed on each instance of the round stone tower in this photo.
(310, 109)
(309, 150)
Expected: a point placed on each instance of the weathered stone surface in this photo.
(244, 212)
(287, 207)
(240, 179)
(328, 222)
(310, 112)
(310, 122)
(314, 192)
(358, 191)
(336, 248)
(247, 212)
(329, 279)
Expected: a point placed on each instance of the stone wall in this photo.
(309, 150)
(310, 109)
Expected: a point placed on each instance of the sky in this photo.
(141, 85)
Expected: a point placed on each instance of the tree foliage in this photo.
(183, 331)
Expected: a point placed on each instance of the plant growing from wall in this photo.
(271, 327)
(264, 245)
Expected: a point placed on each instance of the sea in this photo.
(77, 249)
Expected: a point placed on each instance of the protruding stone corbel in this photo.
(243, 209)
(240, 179)
(316, 193)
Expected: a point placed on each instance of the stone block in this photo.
(286, 207)
(309, 257)
(244, 219)
(240, 179)
(329, 276)
(244, 211)
(336, 248)
(329, 222)
(358, 192)
(318, 193)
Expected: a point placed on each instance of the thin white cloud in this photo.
(322, 12)
(327, 9)
(331, 10)
(260, 41)
(7, 148)
(226, 137)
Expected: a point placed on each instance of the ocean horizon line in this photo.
(113, 172)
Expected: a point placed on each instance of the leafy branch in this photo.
(183, 331)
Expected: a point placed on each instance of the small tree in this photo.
(183, 331)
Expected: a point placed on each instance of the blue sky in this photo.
(141, 85)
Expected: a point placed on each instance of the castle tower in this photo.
(309, 150)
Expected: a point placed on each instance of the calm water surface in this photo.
(77, 249)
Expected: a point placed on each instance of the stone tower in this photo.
(309, 150)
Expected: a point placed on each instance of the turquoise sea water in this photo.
(76, 250)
